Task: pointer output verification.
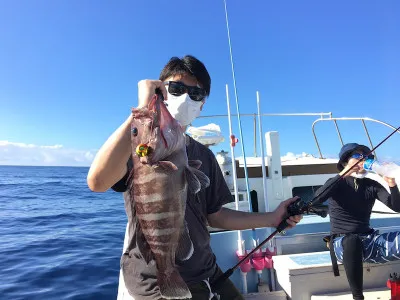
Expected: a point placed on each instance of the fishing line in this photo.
(296, 208)
(240, 125)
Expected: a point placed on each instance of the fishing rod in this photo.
(240, 125)
(298, 207)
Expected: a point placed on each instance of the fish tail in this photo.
(172, 286)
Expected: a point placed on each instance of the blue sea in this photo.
(58, 239)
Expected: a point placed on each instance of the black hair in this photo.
(187, 65)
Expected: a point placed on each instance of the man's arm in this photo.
(332, 185)
(238, 220)
(109, 165)
(392, 199)
(326, 191)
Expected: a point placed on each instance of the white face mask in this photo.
(183, 109)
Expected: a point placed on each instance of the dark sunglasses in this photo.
(359, 156)
(177, 88)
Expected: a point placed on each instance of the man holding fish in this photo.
(173, 188)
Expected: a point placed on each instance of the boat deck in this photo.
(305, 275)
(370, 294)
(374, 294)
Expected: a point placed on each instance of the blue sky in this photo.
(69, 69)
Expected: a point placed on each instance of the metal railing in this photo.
(362, 119)
(323, 116)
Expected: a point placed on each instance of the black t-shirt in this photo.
(140, 278)
(351, 201)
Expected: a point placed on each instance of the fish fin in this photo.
(143, 246)
(172, 286)
(197, 180)
(167, 165)
(129, 181)
(164, 139)
(194, 184)
(195, 163)
(185, 246)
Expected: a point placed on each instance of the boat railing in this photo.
(323, 116)
(334, 120)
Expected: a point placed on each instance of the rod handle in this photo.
(217, 284)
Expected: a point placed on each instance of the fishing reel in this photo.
(297, 207)
(301, 207)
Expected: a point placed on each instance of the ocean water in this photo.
(58, 240)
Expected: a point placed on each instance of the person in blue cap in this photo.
(350, 201)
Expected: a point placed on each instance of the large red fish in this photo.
(161, 177)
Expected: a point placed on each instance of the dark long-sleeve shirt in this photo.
(351, 201)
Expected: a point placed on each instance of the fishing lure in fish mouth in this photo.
(143, 150)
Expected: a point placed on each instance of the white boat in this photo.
(301, 267)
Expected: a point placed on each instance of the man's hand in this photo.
(280, 214)
(391, 181)
(146, 90)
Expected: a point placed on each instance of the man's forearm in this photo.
(109, 165)
(239, 220)
(395, 198)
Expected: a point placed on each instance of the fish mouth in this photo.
(148, 159)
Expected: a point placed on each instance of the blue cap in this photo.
(347, 150)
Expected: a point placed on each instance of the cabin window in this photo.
(242, 196)
(305, 192)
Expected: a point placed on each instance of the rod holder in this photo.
(245, 267)
(269, 263)
(258, 261)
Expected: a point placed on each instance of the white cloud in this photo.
(292, 156)
(38, 155)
